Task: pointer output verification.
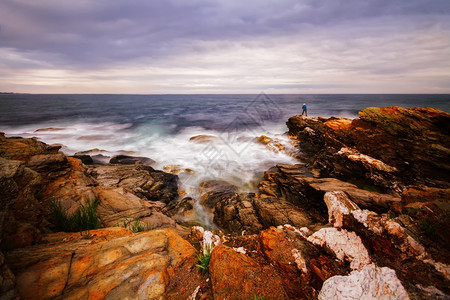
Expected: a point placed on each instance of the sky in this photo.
(225, 46)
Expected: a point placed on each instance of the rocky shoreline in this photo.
(363, 214)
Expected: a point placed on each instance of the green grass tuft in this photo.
(85, 218)
(203, 261)
(135, 225)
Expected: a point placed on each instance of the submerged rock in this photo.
(271, 144)
(85, 159)
(203, 139)
(131, 160)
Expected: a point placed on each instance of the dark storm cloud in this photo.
(158, 46)
(82, 33)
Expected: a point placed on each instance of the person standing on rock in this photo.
(305, 110)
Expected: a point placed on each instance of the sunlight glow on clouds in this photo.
(225, 47)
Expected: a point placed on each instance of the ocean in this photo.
(161, 127)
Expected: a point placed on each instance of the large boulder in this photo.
(250, 213)
(371, 282)
(51, 166)
(214, 191)
(108, 263)
(237, 276)
(236, 213)
(117, 206)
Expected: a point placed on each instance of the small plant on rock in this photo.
(203, 261)
(138, 226)
(84, 218)
(135, 225)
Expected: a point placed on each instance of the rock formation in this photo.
(364, 215)
(106, 263)
(387, 147)
(33, 174)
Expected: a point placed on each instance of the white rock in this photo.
(369, 219)
(240, 250)
(339, 205)
(194, 294)
(371, 282)
(304, 231)
(309, 131)
(345, 244)
(299, 260)
(408, 246)
(369, 162)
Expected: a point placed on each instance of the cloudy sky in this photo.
(225, 46)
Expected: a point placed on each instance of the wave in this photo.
(234, 155)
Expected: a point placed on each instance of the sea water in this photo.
(161, 127)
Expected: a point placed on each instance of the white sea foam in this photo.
(233, 155)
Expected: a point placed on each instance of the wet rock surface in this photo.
(131, 160)
(215, 191)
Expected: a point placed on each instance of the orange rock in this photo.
(237, 276)
(339, 124)
(109, 262)
(23, 149)
(73, 189)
